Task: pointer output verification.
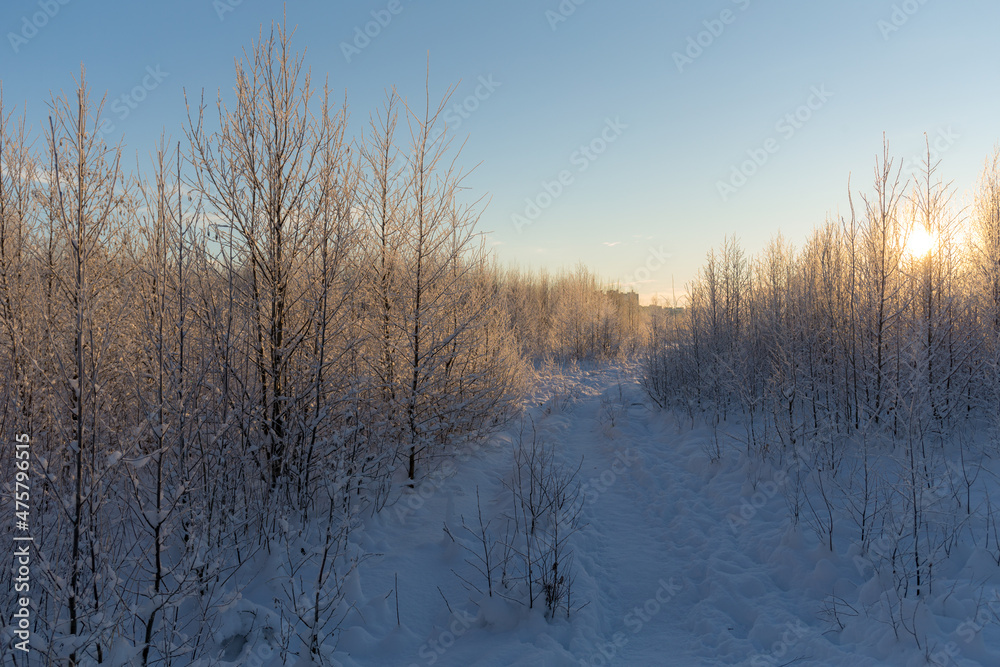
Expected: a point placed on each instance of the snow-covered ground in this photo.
(681, 562)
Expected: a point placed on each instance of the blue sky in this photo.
(593, 140)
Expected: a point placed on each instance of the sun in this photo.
(919, 243)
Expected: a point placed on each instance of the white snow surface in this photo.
(667, 576)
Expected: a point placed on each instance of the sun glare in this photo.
(920, 242)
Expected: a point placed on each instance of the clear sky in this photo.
(613, 133)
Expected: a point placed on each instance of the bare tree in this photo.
(263, 174)
(85, 210)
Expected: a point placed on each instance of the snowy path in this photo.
(668, 577)
(669, 581)
(676, 580)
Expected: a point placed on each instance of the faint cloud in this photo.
(656, 259)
